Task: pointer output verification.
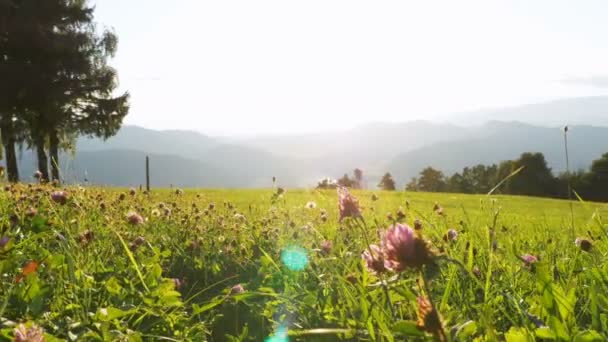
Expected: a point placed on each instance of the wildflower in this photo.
(134, 218)
(584, 244)
(451, 235)
(4, 241)
(31, 212)
(400, 214)
(347, 204)
(280, 191)
(38, 175)
(404, 249)
(136, 243)
(60, 237)
(529, 259)
(311, 205)
(86, 237)
(179, 192)
(476, 271)
(211, 206)
(155, 212)
(428, 318)
(375, 197)
(194, 244)
(27, 269)
(326, 247)
(32, 334)
(237, 289)
(178, 283)
(122, 197)
(418, 224)
(60, 197)
(239, 217)
(132, 191)
(374, 259)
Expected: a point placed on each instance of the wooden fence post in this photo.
(147, 174)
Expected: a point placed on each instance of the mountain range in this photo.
(190, 159)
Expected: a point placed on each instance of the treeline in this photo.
(386, 183)
(55, 83)
(528, 175)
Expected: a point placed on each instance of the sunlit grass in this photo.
(240, 264)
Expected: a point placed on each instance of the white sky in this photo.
(229, 67)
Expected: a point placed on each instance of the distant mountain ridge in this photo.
(190, 159)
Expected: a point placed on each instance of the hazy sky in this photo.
(246, 67)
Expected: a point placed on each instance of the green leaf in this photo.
(111, 313)
(39, 224)
(407, 328)
(133, 262)
(113, 286)
(518, 335)
(588, 336)
(558, 327)
(466, 330)
(200, 309)
(545, 333)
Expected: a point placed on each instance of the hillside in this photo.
(191, 159)
(502, 141)
(591, 110)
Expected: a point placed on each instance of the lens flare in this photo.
(279, 336)
(294, 258)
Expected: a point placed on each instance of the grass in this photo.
(81, 271)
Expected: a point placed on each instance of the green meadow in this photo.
(268, 265)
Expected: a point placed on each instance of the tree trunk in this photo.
(54, 153)
(8, 140)
(43, 161)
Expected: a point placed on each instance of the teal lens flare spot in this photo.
(279, 336)
(294, 258)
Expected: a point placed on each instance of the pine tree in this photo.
(387, 182)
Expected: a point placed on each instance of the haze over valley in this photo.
(191, 159)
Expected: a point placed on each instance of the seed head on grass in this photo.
(237, 289)
(584, 244)
(529, 259)
(134, 218)
(32, 334)
(326, 247)
(428, 318)
(38, 175)
(60, 197)
(451, 235)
